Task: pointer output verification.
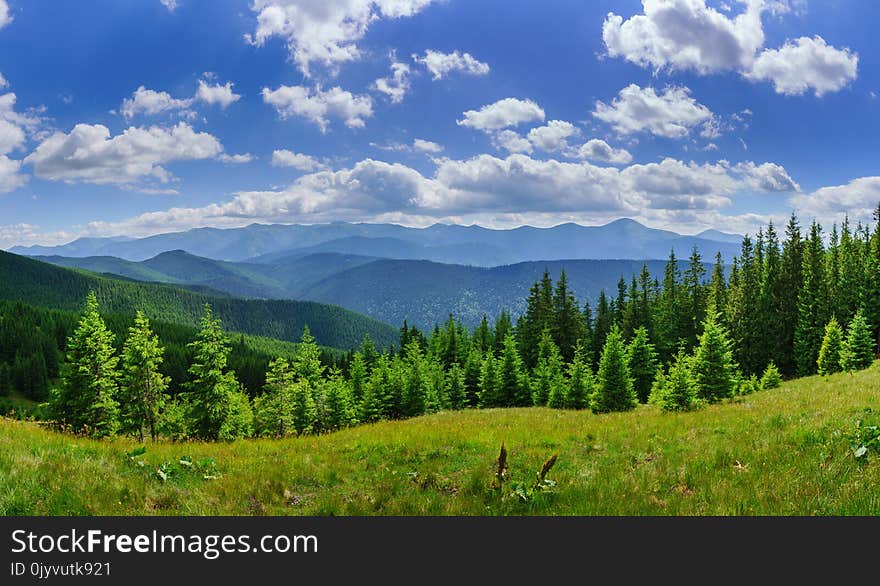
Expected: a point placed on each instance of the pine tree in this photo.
(86, 400)
(614, 391)
(456, 387)
(358, 376)
(512, 390)
(303, 409)
(568, 321)
(473, 368)
(744, 305)
(676, 391)
(581, 384)
(143, 389)
(214, 396)
(273, 409)
(695, 298)
(857, 350)
(713, 368)
(483, 337)
(642, 361)
(812, 304)
(307, 360)
(716, 299)
(548, 372)
(672, 317)
(503, 328)
(829, 354)
(490, 383)
(539, 316)
(787, 294)
(415, 391)
(601, 326)
(339, 403)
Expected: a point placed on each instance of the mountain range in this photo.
(455, 244)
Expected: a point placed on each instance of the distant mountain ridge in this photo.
(448, 243)
(390, 290)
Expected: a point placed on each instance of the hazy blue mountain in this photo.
(468, 245)
(425, 293)
(44, 285)
(720, 236)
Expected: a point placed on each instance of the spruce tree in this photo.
(339, 404)
(787, 295)
(303, 409)
(548, 372)
(214, 396)
(614, 391)
(273, 409)
(86, 400)
(358, 376)
(457, 390)
(676, 391)
(490, 383)
(642, 361)
(771, 379)
(415, 391)
(812, 304)
(568, 321)
(473, 368)
(512, 390)
(580, 384)
(695, 298)
(857, 350)
(713, 368)
(143, 389)
(829, 354)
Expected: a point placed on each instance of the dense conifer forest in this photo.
(794, 304)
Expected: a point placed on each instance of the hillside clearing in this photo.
(781, 452)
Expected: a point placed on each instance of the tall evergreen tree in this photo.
(567, 320)
(273, 409)
(642, 361)
(513, 389)
(695, 298)
(214, 395)
(473, 369)
(86, 400)
(143, 390)
(829, 354)
(713, 367)
(338, 402)
(786, 296)
(671, 314)
(812, 304)
(490, 383)
(676, 391)
(503, 328)
(457, 390)
(547, 374)
(716, 297)
(614, 391)
(857, 350)
(539, 316)
(581, 384)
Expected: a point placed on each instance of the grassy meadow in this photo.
(786, 451)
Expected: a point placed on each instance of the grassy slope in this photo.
(783, 451)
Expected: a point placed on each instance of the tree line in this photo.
(786, 307)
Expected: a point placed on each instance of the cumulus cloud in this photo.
(671, 114)
(5, 18)
(483, 186)
(427, 146)
(236, 159)
(150, 102)
(395, 85)
(325, 31)
(857, 199)
(216, 94)
(171, 5)
(10, 178)
(599, 150)
(15, 128)
(299, 161)
(502, 114)
(316, 105)
(442, 64)
(804, 65)
(691, 35)
(512, 142)
(552, 137)
(89, 154)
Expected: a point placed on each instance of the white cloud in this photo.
(236, 159)
(89, 154)
(671, 114)
(301, 162)
(857, 199)
(317, 105)
(691, 35)
(151, 102)
(502, 114)
(768, 177)
(554, 136)
(442, 64)
(10, 178)
(426, 146)
(512, 142)
(804, 65)
(395, 85)
(3, 82)
(169, 4)
(517, 186)
(599, 150)
(221, 95)
(5, 18)
(324, 31)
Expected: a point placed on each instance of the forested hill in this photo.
(46, 285)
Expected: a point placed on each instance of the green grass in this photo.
(781, 452)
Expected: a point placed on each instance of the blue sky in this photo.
(142, 116)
